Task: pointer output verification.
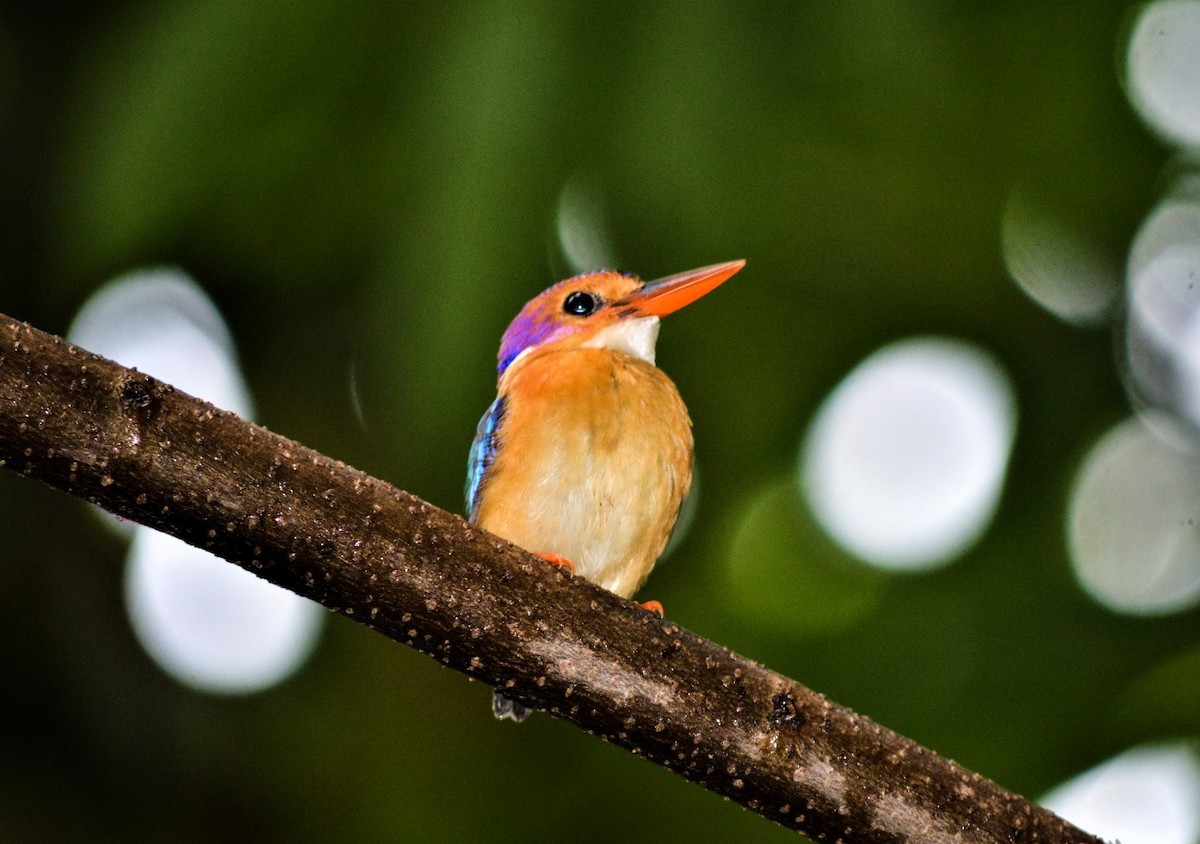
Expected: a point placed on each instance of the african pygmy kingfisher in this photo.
(585, 456)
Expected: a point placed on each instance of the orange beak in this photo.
(667, 295)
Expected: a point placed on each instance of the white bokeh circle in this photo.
(905, 460)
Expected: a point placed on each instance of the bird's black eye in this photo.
(580, 303)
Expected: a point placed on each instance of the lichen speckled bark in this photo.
(424, 577)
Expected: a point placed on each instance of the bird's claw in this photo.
(652, 606)
(558, 560)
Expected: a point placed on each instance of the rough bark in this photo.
(424, 577)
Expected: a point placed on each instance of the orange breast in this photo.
(594, 460)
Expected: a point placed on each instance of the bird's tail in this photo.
(503, 707)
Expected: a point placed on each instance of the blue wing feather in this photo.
(483, 454)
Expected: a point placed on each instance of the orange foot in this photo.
(652, 606)
(558, 560)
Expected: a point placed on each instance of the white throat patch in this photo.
(634, 337)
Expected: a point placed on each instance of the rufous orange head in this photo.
(606, 309)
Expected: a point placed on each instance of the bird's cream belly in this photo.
(597, 477)
(612, 529)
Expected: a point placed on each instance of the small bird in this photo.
(585, 456)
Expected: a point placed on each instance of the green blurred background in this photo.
(370, 191)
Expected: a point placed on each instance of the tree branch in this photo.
(423, 577)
